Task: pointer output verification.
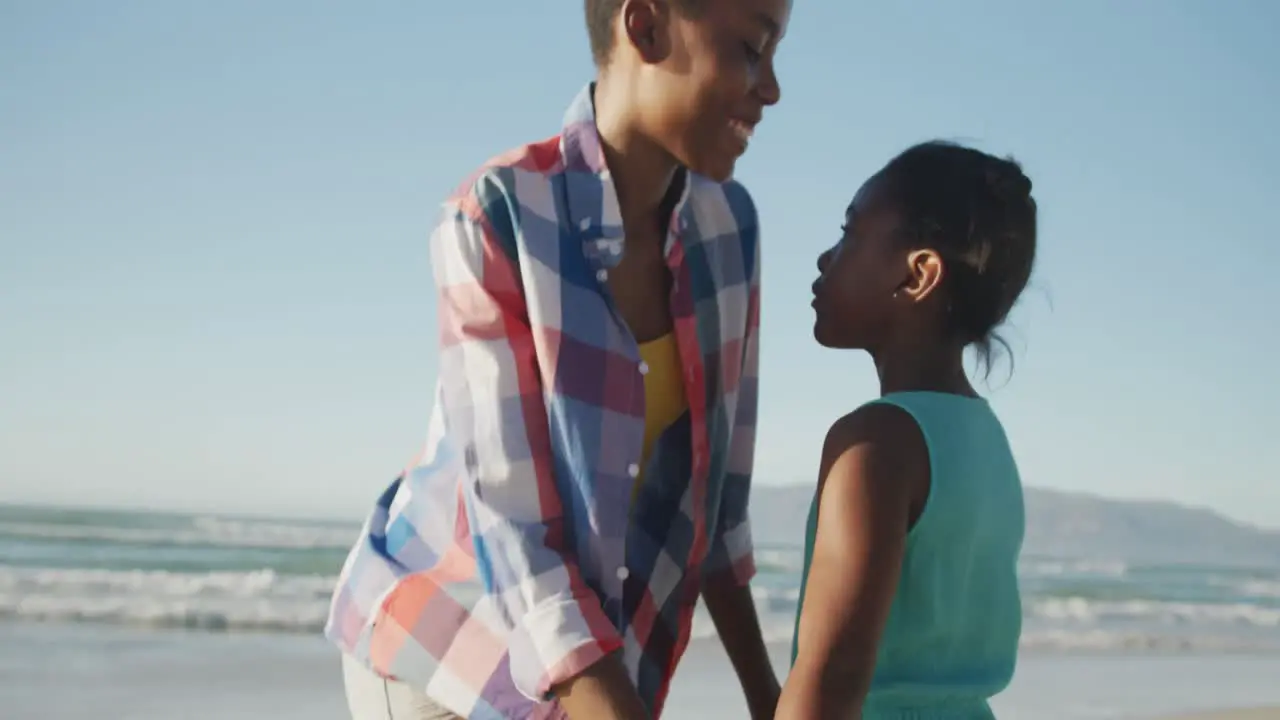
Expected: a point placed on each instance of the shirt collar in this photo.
(592, 200)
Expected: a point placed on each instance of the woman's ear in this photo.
(925, 271)
(645, 25)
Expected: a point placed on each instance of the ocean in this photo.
(245, 599)
(224, 574)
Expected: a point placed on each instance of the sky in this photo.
(214, 285)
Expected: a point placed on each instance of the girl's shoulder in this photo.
(883, 437)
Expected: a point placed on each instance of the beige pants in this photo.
(371, 697)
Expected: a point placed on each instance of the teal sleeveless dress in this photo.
(951, 641)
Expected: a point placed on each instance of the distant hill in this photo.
(1072, 525)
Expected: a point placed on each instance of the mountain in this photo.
(1071, 525)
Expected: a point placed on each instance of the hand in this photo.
(602, 692)
(734, 614)
(762, 702)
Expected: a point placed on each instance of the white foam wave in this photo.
(1254, 588)
(1086, 611)
(1104, 641)
(779, 628)
(267, 601)
(776, 627)
(776, 599)
(780, 560)
(1055, 568)
(259, 600)
(201, 531)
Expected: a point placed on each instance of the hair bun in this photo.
(977, 212)
(1008, 181)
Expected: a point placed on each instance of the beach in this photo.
(114, 615)
(60, 671)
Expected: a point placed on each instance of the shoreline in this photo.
(144, 674)
(1255, 713)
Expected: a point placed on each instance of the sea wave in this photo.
(1251, 588)
(1055, 568)
(1080, 610)
(222, 601)
(778, 628)
(782, 599)
(258, 600)
(1103, 641)
(786, 561)
(267, 600)
(210, 531)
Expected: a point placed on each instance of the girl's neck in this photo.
(923, 366)
(642, 171)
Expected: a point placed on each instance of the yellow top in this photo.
(664, 400)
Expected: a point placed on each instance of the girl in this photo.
(910, 605)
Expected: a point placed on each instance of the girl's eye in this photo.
(753, 55)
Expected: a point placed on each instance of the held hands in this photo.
(762, 701)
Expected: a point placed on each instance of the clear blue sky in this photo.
(214, 289)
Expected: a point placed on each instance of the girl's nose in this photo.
(824, 259)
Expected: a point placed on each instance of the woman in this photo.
(589, 460)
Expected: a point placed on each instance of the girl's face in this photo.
(854, 297)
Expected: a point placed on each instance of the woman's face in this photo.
(703, 101)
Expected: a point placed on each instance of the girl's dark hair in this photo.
(977, 212)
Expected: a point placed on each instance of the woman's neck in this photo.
(642, 171)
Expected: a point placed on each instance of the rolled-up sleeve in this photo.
(491, 388)
(732, 552)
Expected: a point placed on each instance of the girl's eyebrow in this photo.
(770, 25)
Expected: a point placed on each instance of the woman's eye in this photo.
(753, 55)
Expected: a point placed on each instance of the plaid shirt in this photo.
(511, 556)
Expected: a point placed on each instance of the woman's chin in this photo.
(717, 170)
(718, 161)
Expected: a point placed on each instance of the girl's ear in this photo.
(925, 272)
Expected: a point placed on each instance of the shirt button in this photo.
(633, 470)
(602, 275)
(623, 573)
(644, 368)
